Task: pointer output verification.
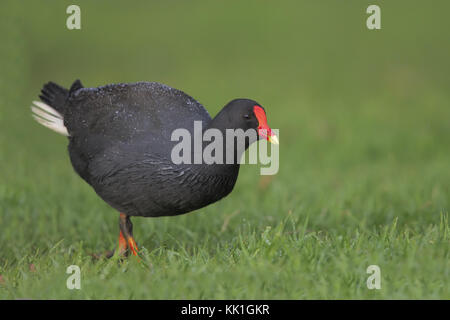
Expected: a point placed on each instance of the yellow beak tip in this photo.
(274, 139)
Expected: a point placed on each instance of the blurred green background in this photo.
(364, 120)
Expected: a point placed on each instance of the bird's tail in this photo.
(50, 112)
(55, 96)
(49, 117)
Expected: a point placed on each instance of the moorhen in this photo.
(120, 143)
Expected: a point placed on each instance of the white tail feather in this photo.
(49, 117)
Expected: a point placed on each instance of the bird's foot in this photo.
(127, 244)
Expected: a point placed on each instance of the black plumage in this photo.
(120, 143)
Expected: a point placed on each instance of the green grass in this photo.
(364, 151)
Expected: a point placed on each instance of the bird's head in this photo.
(248, 114)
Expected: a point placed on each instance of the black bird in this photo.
(120, 143)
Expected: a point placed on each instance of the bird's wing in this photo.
(122, 111)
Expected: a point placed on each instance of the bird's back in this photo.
(124, 112)
(120, 143)
(115, 129)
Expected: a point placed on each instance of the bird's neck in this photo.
(232, 148)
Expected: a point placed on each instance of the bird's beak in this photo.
(268, 134)
(263, 128)
(273, 139)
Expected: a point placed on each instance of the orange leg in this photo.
(122, 244)
(133, 246)
(126, 240)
